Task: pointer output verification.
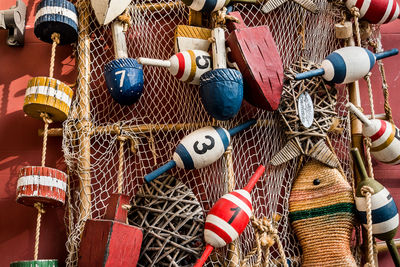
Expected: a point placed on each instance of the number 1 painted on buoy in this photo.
(121, 81)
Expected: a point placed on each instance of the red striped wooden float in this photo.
(376, 11)
(254, 51)
(228, 217)
(41, 184)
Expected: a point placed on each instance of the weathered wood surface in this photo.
(255, 52)
(107, 10)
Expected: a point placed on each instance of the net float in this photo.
(107, 10)
(254, 51)
(191, 38)
(385, 217)
(213, 5)
(228, 218)
(124, 76)
(221, 89)
(385, 137)
(376, 11)
(56, 16)
(187, 66)
(347, 64)
(200, 148)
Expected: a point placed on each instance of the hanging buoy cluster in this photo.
(48, 99)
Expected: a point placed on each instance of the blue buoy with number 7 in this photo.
(200, 148)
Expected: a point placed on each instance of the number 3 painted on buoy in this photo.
(207, 61)
(205, 147)
(121, 81)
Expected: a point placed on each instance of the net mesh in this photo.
(170, 109)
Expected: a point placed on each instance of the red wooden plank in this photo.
(114, 209)
(255, 52)
(109, 243)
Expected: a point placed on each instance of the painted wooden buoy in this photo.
(37, 263)
(221, 89)
(228, 218)
(124, 76)
(187, 66)
(41, 184)
(47, 95)
(322, 215)
(107, 10)
(385, 217)
(200, 148)
(254, 51)
(56, 16)
(376, 11)
(206, 5)
(110, 241)
(347, 64)
(191, 38)
(384, 135)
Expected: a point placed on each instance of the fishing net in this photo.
(170, 109)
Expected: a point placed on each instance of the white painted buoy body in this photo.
(202, 147)
(385, 137)
(376, 11)
(187, 66)
(347, 64)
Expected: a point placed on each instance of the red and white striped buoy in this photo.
(41, 184)
(376, 11)
(228, 217)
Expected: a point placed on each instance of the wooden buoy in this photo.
(221, 89)
(322, 213)
(187, 66)
(344, 30)
(228, 218)
(376, 11)
(385, 217)
(107, 10)
(110, 242)
(347, 64)
(200, 148)
(254, 51)
(385, 137)
(41, 184)
(191, 38)
(124, 76)
(47, 95)
(56, 16)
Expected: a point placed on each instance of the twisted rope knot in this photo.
(40, 208)
(125, 19)
(355, 12)
(366, 189)
(55, 37)
(45, 117)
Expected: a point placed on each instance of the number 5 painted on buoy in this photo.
(121, 81)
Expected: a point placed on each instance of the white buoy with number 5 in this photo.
(200, 148)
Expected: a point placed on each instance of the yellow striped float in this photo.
(48, 95)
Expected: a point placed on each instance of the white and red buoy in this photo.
(376, 11)
(187, 66)
(228, 217)
(384, 135)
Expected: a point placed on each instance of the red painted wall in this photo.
(20, 144)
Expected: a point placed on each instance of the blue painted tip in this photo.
(154, 174)
(388, 53)
(309, 74)
(241, 127)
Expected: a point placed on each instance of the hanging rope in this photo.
(367, 192)
(121, 159)
(356, 13)
(56, 40)
(46, 121)
(40, 209)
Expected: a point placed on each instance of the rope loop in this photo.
(40, 208)
(366, 189)
(355, 12)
